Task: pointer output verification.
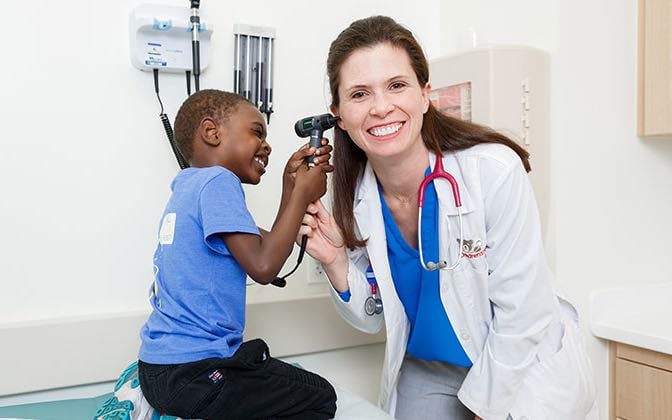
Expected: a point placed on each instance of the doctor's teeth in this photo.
(385, 131)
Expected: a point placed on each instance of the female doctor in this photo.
(474, 329)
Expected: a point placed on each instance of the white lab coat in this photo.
(528, 358)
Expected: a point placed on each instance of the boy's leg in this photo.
(248, 385)
(259, 386)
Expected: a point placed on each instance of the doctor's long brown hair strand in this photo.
(440, 133)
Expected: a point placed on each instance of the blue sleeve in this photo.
(345, 296)
(223, 210)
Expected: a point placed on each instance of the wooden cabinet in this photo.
(641, 384)
(654, 106)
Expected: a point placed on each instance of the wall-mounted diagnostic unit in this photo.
(170, 39)
(161, 38)
(253, 65)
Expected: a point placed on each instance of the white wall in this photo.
(86, 165)
(610, 189)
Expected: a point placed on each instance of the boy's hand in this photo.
(310, 183)
(298, 158)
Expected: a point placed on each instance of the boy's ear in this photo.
(208, 131)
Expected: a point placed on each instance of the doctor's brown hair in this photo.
(440, 132)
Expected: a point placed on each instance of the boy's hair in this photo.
(212, 103)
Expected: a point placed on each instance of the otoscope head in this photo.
(305, 126)
(195, 4)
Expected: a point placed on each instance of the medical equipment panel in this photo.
(253, 65)
(506, 88)
(161, 38)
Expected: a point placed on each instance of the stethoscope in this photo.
(373, 305)
(439, 172)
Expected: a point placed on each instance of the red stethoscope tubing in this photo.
(439, 173)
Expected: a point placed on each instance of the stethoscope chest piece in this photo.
(373, 306)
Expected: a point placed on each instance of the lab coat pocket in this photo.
(560, 386)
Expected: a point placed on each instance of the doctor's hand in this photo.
(325, 241)
(325, 244)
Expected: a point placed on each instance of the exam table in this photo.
(349, 407)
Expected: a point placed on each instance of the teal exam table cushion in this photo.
(126, 403)
(75, 409)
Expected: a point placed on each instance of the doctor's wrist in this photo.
(337, 271)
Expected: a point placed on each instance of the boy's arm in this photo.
(298, 159)
(263, 257)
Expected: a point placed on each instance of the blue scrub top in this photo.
(432, 336)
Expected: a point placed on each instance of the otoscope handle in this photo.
(316, 142)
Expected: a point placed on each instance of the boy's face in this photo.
(244, 150)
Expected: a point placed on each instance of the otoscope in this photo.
(314, 127)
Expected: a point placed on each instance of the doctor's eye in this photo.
(397, 85)
(359, 94)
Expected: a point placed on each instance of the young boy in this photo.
(193, 362)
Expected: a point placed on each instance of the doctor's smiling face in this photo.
(381, 102)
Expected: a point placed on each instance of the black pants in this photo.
(249, 385)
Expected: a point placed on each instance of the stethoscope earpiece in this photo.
(431, 265)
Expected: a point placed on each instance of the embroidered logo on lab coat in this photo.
(472, 248)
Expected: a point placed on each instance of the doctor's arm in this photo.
(325, 244)
(520, 294)
(345, 269)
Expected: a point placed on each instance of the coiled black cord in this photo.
(167, 127)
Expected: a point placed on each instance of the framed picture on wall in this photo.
(453, 100)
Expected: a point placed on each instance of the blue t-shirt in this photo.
(431, 337)
(198, 296)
